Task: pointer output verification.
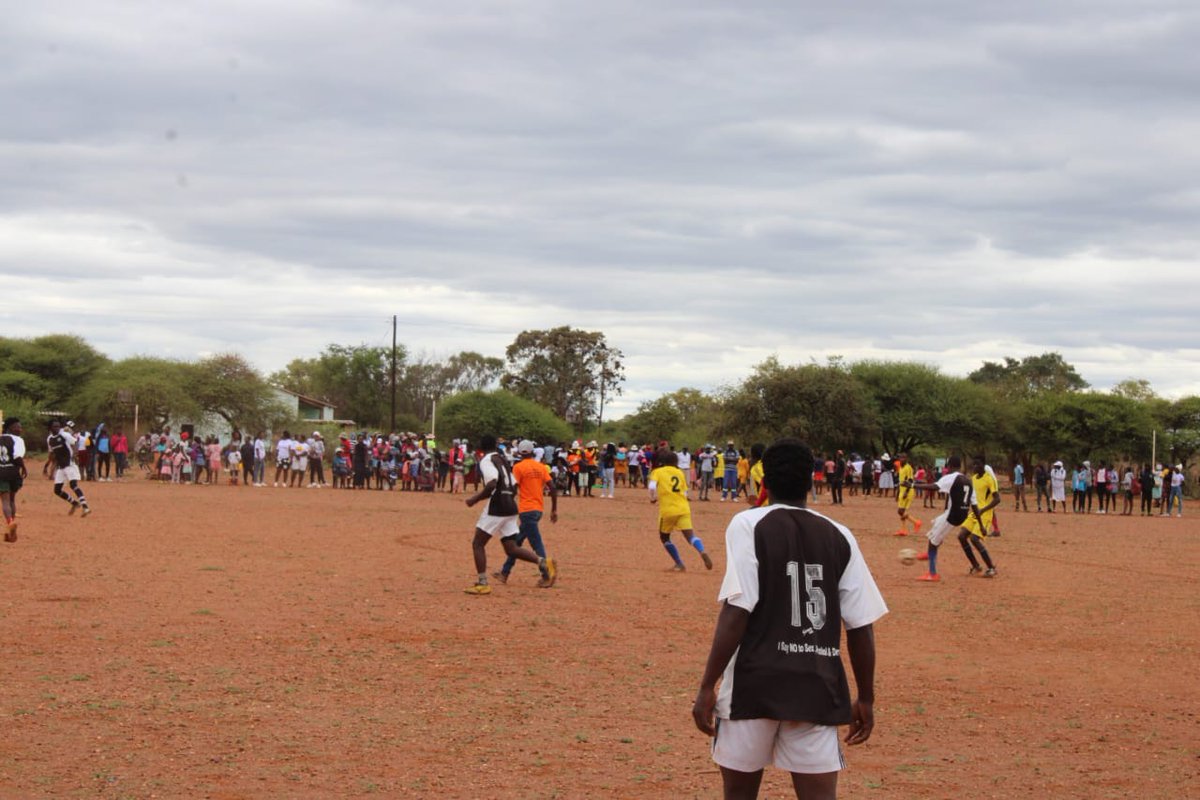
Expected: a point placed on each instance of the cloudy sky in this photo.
(706, 182)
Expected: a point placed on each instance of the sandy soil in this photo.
(230, 642)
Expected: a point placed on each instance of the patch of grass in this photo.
(203, 612)
(80, 678)
(581, 737)
(626, 740)
(212, 569)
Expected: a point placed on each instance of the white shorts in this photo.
(501, 527)
(67, 474)
(300, 464)
(748, 745)
(938, 530)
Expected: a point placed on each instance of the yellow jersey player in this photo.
(976, 526)
(668, 487)
(904, 496)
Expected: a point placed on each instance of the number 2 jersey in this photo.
(670, 486)
(801, 576)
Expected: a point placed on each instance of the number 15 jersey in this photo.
(801, 576)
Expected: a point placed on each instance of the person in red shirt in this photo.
(532, 477)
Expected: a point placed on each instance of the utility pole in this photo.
(393, 428)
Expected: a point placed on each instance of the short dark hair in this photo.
(788, 469)
(11, 421)
(663, 457)
(487, 442)
(953, 462)
(756, 450)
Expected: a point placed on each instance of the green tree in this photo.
(50, 369)
(159, 387)
(355, 379)
(564, 369)
(824, 405)
(226, 385)
(1079, 425)
(1031, 376)
(1138, 389)
(473, 414)
(916, 404)
(1179, 422)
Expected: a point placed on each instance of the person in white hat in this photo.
(1058, 486)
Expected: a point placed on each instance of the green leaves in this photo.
(567, 370)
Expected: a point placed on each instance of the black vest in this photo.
(788, 666)
(503, 502)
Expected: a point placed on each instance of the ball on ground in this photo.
(908, 556)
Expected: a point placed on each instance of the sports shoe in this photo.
(479, 588)
(679, 568)
(500, 576)
(707, 559)
(901, 533)
(74, 508)
(86, 509)
(917, 525)
(551, 574)
(931, 577)
(991, 573)
(10, 535)
(923, 556)
(974, 571)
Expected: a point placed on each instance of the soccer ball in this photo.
(908, 556)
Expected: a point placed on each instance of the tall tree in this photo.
(1031, 376)
(564, 369)
(159, 387)
(226, 385)
(824, 405)
(917, 404)
(354, 379)
(50, 369)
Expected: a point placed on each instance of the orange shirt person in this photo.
(532, 477)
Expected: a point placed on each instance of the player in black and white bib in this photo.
(500, 518)
(12, 474)
(960, 504)
(793, 578)
(60, 445)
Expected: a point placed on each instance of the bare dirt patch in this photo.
(231, 642)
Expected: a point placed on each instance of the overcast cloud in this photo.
(707, 183)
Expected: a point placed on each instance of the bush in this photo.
(501, 413)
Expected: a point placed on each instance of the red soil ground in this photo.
(231, 642)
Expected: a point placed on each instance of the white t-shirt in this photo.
(283, 450)
(488, 470)
(260, 450)
(18, 445)
(685, 461)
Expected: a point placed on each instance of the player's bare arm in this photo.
(482, 494)
(861, 644)
(731, 626)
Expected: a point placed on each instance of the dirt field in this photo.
(244, 643)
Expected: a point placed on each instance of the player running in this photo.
(904, 496)
(12, 474)
(960, 503)
(532, 478)
(978, 524)
(61, 447)
(499, 518)
(674, 512)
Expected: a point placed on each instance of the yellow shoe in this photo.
(551, 573)
(479, 588)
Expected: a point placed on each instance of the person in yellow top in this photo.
(743, 473)
(978, 523)
(668, 488)
(756, 495)
(904, 495)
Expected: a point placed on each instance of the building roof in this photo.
(312, 401)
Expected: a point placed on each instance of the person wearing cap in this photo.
(589, 467)
(60, 445)
(499, 519)
(729, 483)
(1058, 486)
(532, 478)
